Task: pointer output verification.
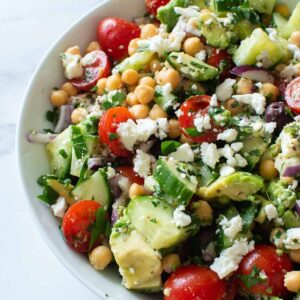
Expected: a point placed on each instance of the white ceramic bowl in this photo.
(32, 159)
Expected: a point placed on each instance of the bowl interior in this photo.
(32, 158)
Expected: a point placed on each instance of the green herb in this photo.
(168, 147)
(48, 196)
(254, 153)
(52, 116)
(62, 55)
(253, 278)
(63, 153)
(115, 100)
(289, 112)
(94, 88)
(83, 172)
(245, 13)
(78, 142)
(113, 136)
(48, 130)
(153, 220)
(248, 215)
(193, 132)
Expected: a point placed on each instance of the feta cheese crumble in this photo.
(292, 240)
(150, 184)
(210, 154)
(289, 72)
(59, 208)
(72, 65)
(263, 60)
(124, 184)
(224, 90)
(183, 153)
(201, 55)
(226, 170)
(142, 163)
(232, 227)
(295, 50)
(271, 212)
(270, 127)
(202, 123)
(228, 135)
(236, 147)
(230, 258)
(256, 101)
(180, 218)
(89, 58)
(213, 100)
(110, 172)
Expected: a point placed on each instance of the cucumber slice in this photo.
(219, 6)
(173, 182)
(263, 6)
(280, 23)
(292, 25)
(137, 61)
(94, 188)
(192, 68)
(59, 154)
(165, 100)
(153, 219)
(255, 45)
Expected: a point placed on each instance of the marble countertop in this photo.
(28, 269)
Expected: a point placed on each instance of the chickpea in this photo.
(279, 68)
(155, 66)
(277, 236)
(147, 81)
(114, 82)
(234, 106)
(144, 93)
(136, 190)
(184, 139)
(292, 281)
(132, 99)
(79, 114)
(157, 112)
(70, 89)
(174, 129)
(270, 91)
(59, 98)
(192, 46)
(100, 257)
(133, 46)
(244, 86)
(203, 211)
(130, 77)
(295, 256)
(146, 68)
(148, 31)
(75, 50)
(169, 76)
(101, 86)
(139, 111)
(170, 262)
(267, 169)
(92, 46)
(282, 9)
(295, 38)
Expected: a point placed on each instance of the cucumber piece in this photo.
(89, 126)
(165, 100)
(292, 25)
(62, 189)
(174, 182)
(137, 61)
(280, 24)
(291, 219)
(94, 188)
(254, 46)
(59, 154)
(192, 68)
(153, 219)
(263, 6)
(219, 6)
(243, 29)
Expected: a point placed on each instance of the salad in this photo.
(175, 150)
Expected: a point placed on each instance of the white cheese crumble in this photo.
(292, 240)
(271, 212)
(162, 128)
(72, 65)
(228, 135)
(232, 227)
(110, 172)
(210, 154)
(236, 147)
(142, 163)
(270, 127)
(230, 258)
(59, 208)
(263, 60)
(224, 90)
(189, 12)
(89, 58)
(213, 100)
(201, 55)
(272, 34)
(295, 50)
(124, 184)
(202, 123)
(256, 101)
(150, 184)
(180, 218)
(183, 153)
(167, 292)
(226, 170)
(289, 72)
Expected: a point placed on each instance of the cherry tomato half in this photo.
(292, 95)
(190, 109)
(153, 5)
(194, 282)
(92, 73)
(265, 259)
(108, 126)
(76, 223)
(114, 35)
(127, 171)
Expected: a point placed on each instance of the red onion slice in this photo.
(95, 163)
(253, 73)
(297, 207)
(40, 138)
(64, 118)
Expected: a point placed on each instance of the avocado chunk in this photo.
(237, 186)
(291, 219)
(139, 264)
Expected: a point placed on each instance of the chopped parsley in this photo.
(113, 136)
(63, 153)
(254, 278)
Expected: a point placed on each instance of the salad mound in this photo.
(174, 150)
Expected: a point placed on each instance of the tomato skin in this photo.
(109, 124)
(265, 258)
(76, 223)
(114, 35)
(153, 5)
(194, 282)
(92, 73)
(292, 95)
(127, 171)
(190, 108)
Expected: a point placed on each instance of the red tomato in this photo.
(217, 57)
(264, 258)
(153, 5)
(114, 35)
(292, 95)
(194, 282)
(92, 73)
(76, 224)
(108, 126)
(197, 105)
(127, 171)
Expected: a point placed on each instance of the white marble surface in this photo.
(28, 270)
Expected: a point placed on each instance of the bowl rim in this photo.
(18, 154)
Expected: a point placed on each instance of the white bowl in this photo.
(32, 159)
